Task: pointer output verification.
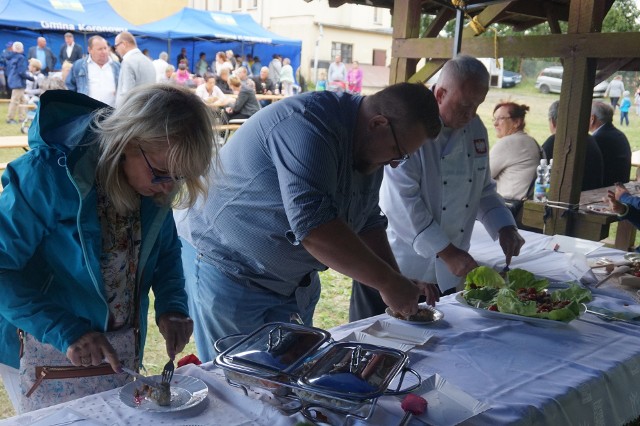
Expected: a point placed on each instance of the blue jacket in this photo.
(50, 245)
(16, 71)
(78, 78)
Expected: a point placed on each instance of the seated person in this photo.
(168, 75)
(246, 103)
(625, 205)
(222, 81)
(264, 85)
(182, 76)
(211, 94)
(515, 156)
(592, 177)
(614, 145)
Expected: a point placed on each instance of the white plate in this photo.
(186, 392)
(361, 337)
(501, 315)
(399, 332)
(448, 405)
(437, 315)
(632, 257)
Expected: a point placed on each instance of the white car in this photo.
(550, 81)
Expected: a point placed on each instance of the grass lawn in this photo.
(333, 307)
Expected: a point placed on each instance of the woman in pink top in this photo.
(354, 78)
(182, 76)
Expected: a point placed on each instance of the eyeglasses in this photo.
(115, 46)
(157, 177)
(496, 119)
(404, 156)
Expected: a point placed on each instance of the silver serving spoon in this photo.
(618, 270)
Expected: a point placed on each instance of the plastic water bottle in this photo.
(547, 178)
(540, 187)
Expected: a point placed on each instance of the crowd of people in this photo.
(127, 193)
(107, 73)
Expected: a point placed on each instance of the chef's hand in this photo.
(91, 349)
(402, 296)
(459, 262)
(176, 329)
(430, 291)
(616, 206)
(511, 242)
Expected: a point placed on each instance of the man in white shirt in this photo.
(135, 70)
(433, 200)
(70, 51)
(96, 75)
(161, 65)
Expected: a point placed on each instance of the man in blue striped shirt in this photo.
(297, 192)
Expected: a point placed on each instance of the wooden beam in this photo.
(594, 45)
(438, 23)
(585, 17)
(487, 17)
(429, 69)
(406, 25)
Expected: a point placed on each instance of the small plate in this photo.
(186, 392)
(632, 257)
(437, 315)
(399, 332)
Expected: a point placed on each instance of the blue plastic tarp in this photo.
(192, 24)
(201, 31)
(78, 16)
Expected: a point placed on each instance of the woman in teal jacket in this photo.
(87, 227)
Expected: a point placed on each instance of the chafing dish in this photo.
(305, 364)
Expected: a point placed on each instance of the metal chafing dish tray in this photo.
(267, 357)
(305, 364)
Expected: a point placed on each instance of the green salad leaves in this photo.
(521, 293)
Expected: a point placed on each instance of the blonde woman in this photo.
(92, 209)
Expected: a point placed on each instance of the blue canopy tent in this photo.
(210, 32)
(25, 20)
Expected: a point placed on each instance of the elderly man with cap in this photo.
(17, 76)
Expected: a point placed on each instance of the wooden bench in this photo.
(14, 142)
(635, 162)
(227, 129)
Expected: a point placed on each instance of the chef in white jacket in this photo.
(434, 198)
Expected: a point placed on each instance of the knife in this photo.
(146, 380)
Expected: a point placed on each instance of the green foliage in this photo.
(621, 18)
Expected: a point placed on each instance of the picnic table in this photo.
(498, 370)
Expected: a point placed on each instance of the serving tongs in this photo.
(609, 317)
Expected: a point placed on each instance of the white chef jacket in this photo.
(434, 198)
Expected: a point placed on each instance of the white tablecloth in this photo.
(583, 373)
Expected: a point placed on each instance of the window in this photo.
(253, 4)
(238, 5)
(377, 15)
(342, 49)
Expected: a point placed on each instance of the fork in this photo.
(167, 372)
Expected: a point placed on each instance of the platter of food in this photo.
(519, 295)
(426, 315)
(183, 392)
